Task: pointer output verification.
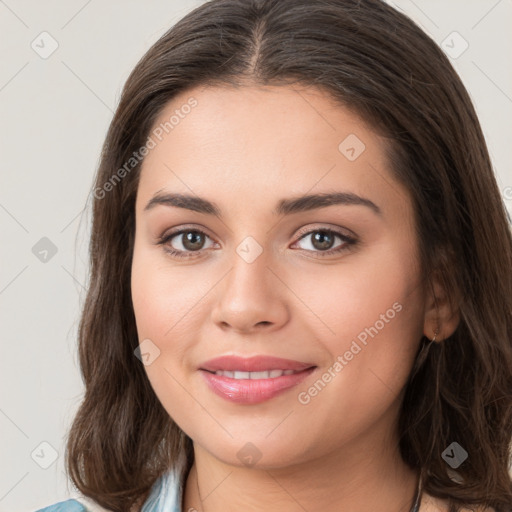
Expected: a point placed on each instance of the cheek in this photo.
(370, 312)
(162, 297)
(164, 310)
(371, 323)
(169, 306)
(353, 296)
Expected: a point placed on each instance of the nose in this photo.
(251, 298)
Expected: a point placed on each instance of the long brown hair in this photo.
(376, 61)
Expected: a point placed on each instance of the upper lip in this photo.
(253, 364)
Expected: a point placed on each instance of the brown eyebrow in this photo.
(284, 206)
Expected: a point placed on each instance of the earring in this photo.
(436, 332)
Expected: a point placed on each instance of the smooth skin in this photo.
(245, 149)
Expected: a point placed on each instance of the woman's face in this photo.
(258, 271)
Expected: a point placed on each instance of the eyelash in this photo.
(349, 242)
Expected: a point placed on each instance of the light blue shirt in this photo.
(166, 495)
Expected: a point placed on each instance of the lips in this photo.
(255, 379)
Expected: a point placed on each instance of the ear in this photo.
(442, 316)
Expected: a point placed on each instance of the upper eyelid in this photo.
(183, 229)
(325, 227)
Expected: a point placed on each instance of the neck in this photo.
(358, 478)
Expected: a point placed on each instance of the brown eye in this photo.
(322, 242)
(184, 243)
(193, 240)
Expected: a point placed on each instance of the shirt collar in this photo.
(167, 492)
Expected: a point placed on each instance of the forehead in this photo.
(254, 143)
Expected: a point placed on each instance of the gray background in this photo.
(55, 112)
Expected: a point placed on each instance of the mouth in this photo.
(254, 364)
(266, 374)
(253, 380)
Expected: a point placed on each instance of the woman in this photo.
(301, 286)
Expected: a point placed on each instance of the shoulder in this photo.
(166, 494)
(74, 505)
(64, 506)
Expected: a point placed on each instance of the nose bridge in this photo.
(249, 273)
(249, 297)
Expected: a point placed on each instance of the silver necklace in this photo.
(417, 498)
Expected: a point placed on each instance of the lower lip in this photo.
(253, 391)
